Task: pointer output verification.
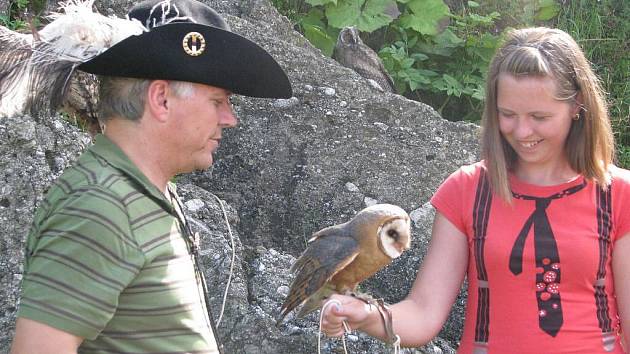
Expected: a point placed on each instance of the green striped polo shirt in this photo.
(106, 260)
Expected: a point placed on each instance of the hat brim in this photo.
(228, 61)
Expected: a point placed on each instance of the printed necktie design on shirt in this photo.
(547, 260)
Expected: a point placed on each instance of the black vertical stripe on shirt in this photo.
(604, 226)
(481, 212)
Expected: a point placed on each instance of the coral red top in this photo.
(540, 276)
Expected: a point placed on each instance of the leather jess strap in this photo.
(386, 316)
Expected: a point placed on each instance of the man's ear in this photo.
(157, 99)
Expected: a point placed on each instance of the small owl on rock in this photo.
(351, 52)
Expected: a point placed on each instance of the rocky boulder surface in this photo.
(290, 168)
(32, 154)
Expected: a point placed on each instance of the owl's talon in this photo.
(367, 298)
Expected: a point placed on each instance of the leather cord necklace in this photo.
(193, 241)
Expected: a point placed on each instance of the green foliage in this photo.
(21, 13)
(317, 32)
(439, 54)
(548, 9)
(602, 28)
(13, 20)
(11, 23)
(434, 54)
(321, 2)
(366, 15)
(623, 156)
(451, 63)
(423, 16)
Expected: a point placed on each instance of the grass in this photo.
(602, 28)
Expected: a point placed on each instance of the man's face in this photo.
(197, 125)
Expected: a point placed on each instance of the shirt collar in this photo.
(117, 158)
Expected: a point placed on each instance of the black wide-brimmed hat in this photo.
(188, 41)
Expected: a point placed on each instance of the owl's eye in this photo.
(393, 234)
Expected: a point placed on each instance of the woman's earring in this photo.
(577, 116)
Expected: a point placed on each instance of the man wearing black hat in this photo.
(111, 262)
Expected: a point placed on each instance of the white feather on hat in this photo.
(36, 69)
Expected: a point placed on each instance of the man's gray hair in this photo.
(125, 97)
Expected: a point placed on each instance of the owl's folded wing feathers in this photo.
(330, 251)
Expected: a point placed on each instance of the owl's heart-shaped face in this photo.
(394, 237)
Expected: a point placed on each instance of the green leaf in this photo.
(321, 2)
(451, 81)
(415, 78)
(481, 20)
(413, 85)
(22, 4)
(419, 56)
(401, 54)
(495, 15)
(450, 85)
(319, 38)
(428, 73)
(473, 4)
(448, 39)
(479, 93)
(387, 50)
(432, 49)
(366, 15)
(424, 16)
(548, 10)
(483, 46)
(407, 63)
(412, 42)
(314, 18)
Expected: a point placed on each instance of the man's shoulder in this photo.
(91, 177)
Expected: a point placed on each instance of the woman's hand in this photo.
(419, 317)
(340, 308)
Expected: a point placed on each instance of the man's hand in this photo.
(32, 337)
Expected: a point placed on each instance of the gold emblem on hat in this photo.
(194, 44)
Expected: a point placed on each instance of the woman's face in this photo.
(532, 120)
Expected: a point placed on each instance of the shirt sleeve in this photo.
(448, 200)
(621, 192)
(78, 261)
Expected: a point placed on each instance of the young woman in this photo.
(540, 226)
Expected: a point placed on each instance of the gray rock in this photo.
(285, 172)
(32, 155)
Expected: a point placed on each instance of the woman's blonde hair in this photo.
(553, 53)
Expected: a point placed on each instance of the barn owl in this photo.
(339, 257)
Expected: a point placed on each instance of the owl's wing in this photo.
(330, 250)
(374, 69)
(387, 77)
